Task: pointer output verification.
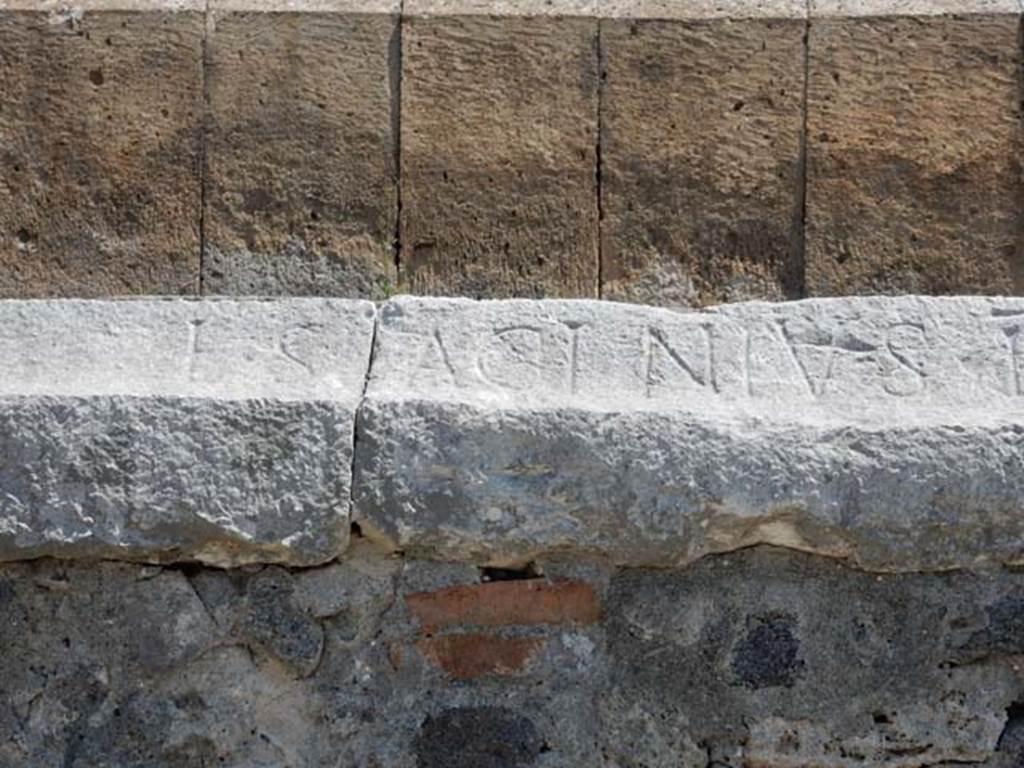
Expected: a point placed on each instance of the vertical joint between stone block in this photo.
(799, 288)
(357, 419)
(1017, 271)
(204, 136)
(598, 169)
(395, 75)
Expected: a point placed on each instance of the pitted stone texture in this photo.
(301, 155)
(219, 431)
(785, 660)
(761, 658)
(884, 430)
(499, 134)
(117, 665)
(100, 137)
(700, 159)
(913, 151)
(123, 666)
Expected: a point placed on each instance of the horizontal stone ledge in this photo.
(642, 9)
(163, 430)
(889, 431)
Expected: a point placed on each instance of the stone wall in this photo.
(674, 153)
(316, 530)
(759, 658)
(441, 533)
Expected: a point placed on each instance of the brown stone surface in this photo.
(301, 188)
(100, 130)
(700, 154)
(499, 123)
(469, 656)
(506, 603)
(913, 142)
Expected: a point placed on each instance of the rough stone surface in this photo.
(760, 658)
(164, 430)
(783, 660)
(503, 8)
(499, 137)
(914, 146)
(700, 158)
(695, 10)
(100, 135)
(301, 187)
(922, 9)
(884, 430)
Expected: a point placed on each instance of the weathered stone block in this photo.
(499, 136)
(701, 116)
(884, 430)
(301, 187)
(100, 131)
(914, 147)
(172, 430)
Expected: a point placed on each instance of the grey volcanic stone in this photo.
(477, 737)
(784, 659)
(886, 430)
(219, 431)
(758, 658)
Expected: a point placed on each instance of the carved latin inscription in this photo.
(1012, 335)
(815, 352)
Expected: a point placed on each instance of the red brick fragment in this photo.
(506, 603)
(476, 655)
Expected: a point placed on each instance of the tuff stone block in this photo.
(172, 430)
(301, 185)
(701, 120)
(100, 136)
(913, 148)
(498, 149)
(883, 430)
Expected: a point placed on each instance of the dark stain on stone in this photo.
(7, 593)
(1010, 746)
(258, 201)
(477, 737)
(768, 656)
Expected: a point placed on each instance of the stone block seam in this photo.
(825, 150)
(885, 431)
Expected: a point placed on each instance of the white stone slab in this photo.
(886, 430)
(160, 430)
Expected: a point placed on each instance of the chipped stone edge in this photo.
(287, 7)
(61, 10)
(863, 9)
